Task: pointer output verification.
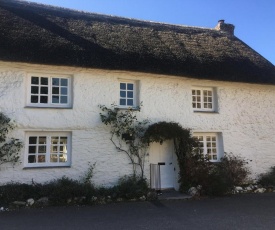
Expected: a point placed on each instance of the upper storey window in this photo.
(128, 94)
(203, 99)
(49, 91)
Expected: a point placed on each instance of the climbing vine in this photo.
(127, 134)
(9, 148)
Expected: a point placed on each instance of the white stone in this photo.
(193, 191)
(238, 188)
(30, 202)
(260, 190)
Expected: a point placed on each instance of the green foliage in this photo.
(216, 179)
(131, 187)
(127, 133)
(268, 178)
(89, 174)
(9, 149)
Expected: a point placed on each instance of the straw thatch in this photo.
(35, 33)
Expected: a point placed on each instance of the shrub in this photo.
(268, 178)
(131, 187)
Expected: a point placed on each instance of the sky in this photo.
(254, 20)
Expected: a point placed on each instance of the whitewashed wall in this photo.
(246, 118)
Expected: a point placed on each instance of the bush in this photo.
(268, 178)
(131, 187)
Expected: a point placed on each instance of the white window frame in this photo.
(134, 91)
(209, 146)
(46, 156)
(50, 93)
(203, 100)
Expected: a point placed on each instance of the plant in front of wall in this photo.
(127, 134)
(9, 147)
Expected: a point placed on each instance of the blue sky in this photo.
(254, 20)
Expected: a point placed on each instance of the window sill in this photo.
(45, 167)
(128, 108)
(210, 112)
(46, 107)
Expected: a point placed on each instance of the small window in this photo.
(203, 99)
(127, 94)
(48, 149)
(49, 91)
(209, 145)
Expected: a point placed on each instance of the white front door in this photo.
(163, 154)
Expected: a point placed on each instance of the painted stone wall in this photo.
(245, 117)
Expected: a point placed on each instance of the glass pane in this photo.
(198, 105)
(204, 92)
(35, 80)
(55, 81)
(63, 140)
(214, 157)
(63, 158)
(193, 92)
(64, 82)
(32, 140)
(130, 94)
(34, 99)
(44, 81)
(54, 149)
(64, 100)
(44, 90)
(122, 93)
(130, 86)
(55, 140)
(64, 91)
(55, 90)
(42, 140)
(41, 159)
(194, 105)
(209, 106)
(130, 102)
(42, 149)
(34, 89)
(32, 149)
(31, 159)
(122, 102)
(204, 105)
(54, 158)
(209, 93)
(198, 99)
(44, 99)
(122, 85)
(213, 138)
(55, 99)
(198, 92)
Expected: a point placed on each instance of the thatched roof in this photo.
(35, 33)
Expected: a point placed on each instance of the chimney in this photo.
(224, 27)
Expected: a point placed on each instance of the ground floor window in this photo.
(210, 145)
(48, 149)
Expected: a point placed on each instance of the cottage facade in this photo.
(57, 66)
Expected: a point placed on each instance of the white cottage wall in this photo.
(245, 117)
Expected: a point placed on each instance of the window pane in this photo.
(64, 82)
(32, 140)
(32, 149)
(55, 81)
(44, 81)
(31, 159)
(35, 80)
(43, 99)
(54, 158)
(34, 99)
(44, 90)
(63, 140)
(55, 99)
(54, 140)
(64, 91)
(54, 149)
(41, 159)
(122, 93)
(130, 102)
(130, 86)
(34, 89)
(42, 149)
(63, 158)
(122, 85)
(55, 90)
(130, 94)
(64, 99)
(42, 140)
(122, 102)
